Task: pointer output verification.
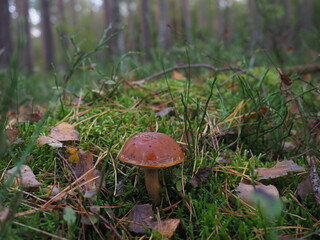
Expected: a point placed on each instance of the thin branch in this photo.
(188, 66)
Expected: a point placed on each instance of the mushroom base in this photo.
(152, 184)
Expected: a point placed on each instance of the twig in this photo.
(314, 177)
(66, 161)
(187, 66)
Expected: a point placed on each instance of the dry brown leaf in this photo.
(42, 140)
(280, 169)
(141, 217)
(165, 112)
(83, 166)
(26, 179)
(26, 113)
(177, 75)
(202, 175)
(305, 188)
(166, 228)
(246, 191)
(12, 134)
(64, 132)
(4, 214)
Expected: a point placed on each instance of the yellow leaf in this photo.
(73, 157)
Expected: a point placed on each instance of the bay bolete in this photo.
(151, 151)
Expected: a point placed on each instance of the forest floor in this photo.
(251, 147)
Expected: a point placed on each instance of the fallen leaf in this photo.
(166, 228)
(73, 154)
(178, 76)
(76, 101)
(288, 146)
(245, 192)
(202, 175)
(26, 113)
(26, 179)
(93, 177)
(12, 134)
(305, 188)
(141, 217)
(4, 214)
(64, 132)
(42, 140)
(165, 112)
(264, 198)
(280, 169)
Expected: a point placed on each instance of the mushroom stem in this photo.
(152, 184)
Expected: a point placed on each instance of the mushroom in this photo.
(151, 151)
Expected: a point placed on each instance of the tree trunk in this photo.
(132, 27)
(305, 17)
(218, 21)
(47, 37)
(164, 38)
(113, 20)
(5, 34)
(145, 29)
(186, 20)
(24, 35)
(62, 24)
(253, 24)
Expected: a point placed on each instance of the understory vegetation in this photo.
(228, 122)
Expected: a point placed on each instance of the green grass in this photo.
(210, 211)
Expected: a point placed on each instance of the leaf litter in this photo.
(141, 217)
(280, 169)
(23, 178)
(64, 132)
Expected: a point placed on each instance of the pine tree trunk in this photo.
(5, 34)
(47, 36)
(186, 20)
(164, 39)
(24, 37)
(145, 29)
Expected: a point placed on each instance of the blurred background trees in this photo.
(40, 31)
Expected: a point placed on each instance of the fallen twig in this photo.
(314, 177)
(188, 66)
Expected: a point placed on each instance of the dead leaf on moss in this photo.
(12, 134)
(305, 188)
(4, 214)
(73, 154)
(280, 169)
(178, 76)
(202, 175)
(64, 132)
(26, 113)
(42, 140)
(141, 217)
(165, 112)
(166, 228)
(246, 191)
(92, 178)
(26, 179)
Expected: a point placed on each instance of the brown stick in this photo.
(188, 66)
(303, 69)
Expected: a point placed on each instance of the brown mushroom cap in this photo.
(151, 150)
